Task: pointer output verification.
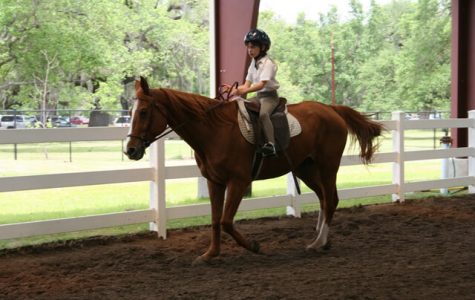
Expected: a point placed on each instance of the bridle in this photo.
(146, 142)
(223, 97)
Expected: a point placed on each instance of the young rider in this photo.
(261, 79)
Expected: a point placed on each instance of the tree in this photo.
(97, 47)
(423, 73)
(86, 54)
(395, 56)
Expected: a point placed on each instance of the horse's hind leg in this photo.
(234, 194)
(311, 177)
(325, 188)
(320, 217)
(329, 203)
(318, 191)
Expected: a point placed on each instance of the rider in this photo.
(261, 79)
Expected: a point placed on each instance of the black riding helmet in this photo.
(258, 37)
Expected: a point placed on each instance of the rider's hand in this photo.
(239, 91)
(225, 87)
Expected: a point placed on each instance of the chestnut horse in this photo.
(225, 158)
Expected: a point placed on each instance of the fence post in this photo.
(202, 187)
(471, 144)
(294, 208)
(398, 148)
(157, 188)
(445, 143)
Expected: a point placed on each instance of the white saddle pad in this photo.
(246, 127)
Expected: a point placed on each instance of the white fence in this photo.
(157, 173)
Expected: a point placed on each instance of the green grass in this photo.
(45, 204)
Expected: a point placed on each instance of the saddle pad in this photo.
(246, 127)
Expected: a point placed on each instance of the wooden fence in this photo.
(158, 172)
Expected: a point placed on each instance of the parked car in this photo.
(79, 120)
(412, 116)
(15, 121)
(123, 121)
(435, 115)
(59, 121)
(32, 122)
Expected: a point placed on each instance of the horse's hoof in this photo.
(327, 246)
(201, 261)
(255, 247)
(312, 247)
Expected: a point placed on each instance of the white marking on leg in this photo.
(322, 237)
(319, 220)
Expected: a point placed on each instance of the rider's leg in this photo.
(268, 104)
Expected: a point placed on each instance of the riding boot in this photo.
(268, 150)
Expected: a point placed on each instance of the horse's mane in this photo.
(197, 107)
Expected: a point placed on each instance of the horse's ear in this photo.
(137, 85)
(142, 84)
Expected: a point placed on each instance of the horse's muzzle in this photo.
(135, 153)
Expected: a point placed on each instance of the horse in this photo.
(225, 158)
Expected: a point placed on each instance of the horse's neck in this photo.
(191, 116)
(185, 107)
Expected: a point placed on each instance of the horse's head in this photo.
(147, 121)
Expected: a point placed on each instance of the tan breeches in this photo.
(268, 104)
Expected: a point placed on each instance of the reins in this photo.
(222, 91)
(221, 97)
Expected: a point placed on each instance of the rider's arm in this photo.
(247, 87)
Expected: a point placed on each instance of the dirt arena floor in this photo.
(422, 249)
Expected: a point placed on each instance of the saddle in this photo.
(285, 127)
(279, 121)
(285, 124)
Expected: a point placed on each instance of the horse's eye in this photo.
(143, 113)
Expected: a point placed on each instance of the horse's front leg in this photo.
(216, 195)
(234, 196)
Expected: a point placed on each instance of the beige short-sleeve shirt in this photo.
(266, 71)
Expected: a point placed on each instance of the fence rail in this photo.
(157, 214)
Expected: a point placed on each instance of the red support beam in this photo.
(232, 19)
(463, 65)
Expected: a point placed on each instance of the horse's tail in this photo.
(362, 129)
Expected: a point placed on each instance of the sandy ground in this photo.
(422, 249)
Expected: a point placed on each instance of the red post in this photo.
(233, 19)
(463, 65)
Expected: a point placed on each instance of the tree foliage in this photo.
(395, 56)
(67, 53)
(85, 54)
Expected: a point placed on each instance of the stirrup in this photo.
(268, 150)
